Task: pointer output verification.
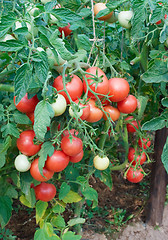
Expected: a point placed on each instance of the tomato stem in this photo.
(6, 87)
(104, 135)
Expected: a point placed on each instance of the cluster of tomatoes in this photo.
(136, 156)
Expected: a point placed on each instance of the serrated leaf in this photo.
(22, 80)
(11, 192)
(72, 197)
(2, 156)
(90, 194)
(103, 12)
(75, 221)
(43, 114)
(71, 235)
(143, 103)
(164, 156)
(40, 210)
(11, 46)
(58, 222)
(165, 102)
(58, 208)
(50, 5)
(84, 42)
(25, 182)
(21, 118)
(10, 129)
(41, 66)
(47, 149)
(5, 210)
(6, 23)
(64, 190)
(66, 14)
(154, 124)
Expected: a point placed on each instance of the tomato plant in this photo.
(57, 162)
(133, 125)
(134, 175)
(144, 143)
(134, 159)
(45, 191)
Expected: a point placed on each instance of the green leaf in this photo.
(66, 14)
(103, 12)
(50, 5)
(21, 118)
(43, 115)
(41, 67)
(106, 178)
(90, 194)
(2, 155)
(58, 208)
(25, 182)
(10, 129)
(72, 197)
(5, 210)
(157, 73)
(11, 192)
(164, 156)
(6, 23)
(46, 150)
(1, 111)
(11, 46)
(84, 42)
(71, 235)
(154, 124)
(164, 33)
(165, 102)
(22, 80)
(42, 235)
(58, 222)
(64, 190)
(40, 210)
(114, 4)
(75, 221)
(28, 200)
(143, 103)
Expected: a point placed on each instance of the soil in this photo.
(120, 214)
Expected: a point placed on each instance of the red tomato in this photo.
(57, 162)
(85, 108)
(74, 87)
(139, 159)
(27, 105)
(72, 131)
(67, 31)
(95, 113)
(118, 89)
(112, 112)
(98, 84)
(31, 117)
(26, 145)
(134, 175)
(133, 125)
(71, 147)
(128, 105)
(77, 158)
(45, 192)
(160, 21)
(144, 143)
(34, 171)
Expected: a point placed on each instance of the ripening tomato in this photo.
(26, 145)
(34, 171)
(128, 105)
(101, 6)
(112, 112)
(98, 84)
(144, 143)
(71, 131)
(133, 159)
(133, 125)
(74, 87)
(85, 108)
(95, 113)
(27, 105)
(67, 31)
(118, 89)
(71, 147)
(77, 158)
(134, 175)
(101, 163)
(124, 18)
(45, 191)
(57, 162)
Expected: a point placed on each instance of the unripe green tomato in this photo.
(45, 1)
(29, 35)
(72, 114)
(6, 38)
(101, 163)
(34, 11)
(113, 18)
(22, 163)
(124, 18)
(52, 60)
(59, 106)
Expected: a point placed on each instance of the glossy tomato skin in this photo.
(101, 6)
(139, 159)
(27, 105)
(85, 108)
(128, 105)
(57, 162)
(74, 87)
(112, 112)
(101, 163)
(67, 31)
(95, 113)
(34, 171)
(133, 125)
(45, 192)
(134, 175)
(100, 88)
(144, 143)
(118, 89)
(71, 147)
(77, 158)
(26, 145)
